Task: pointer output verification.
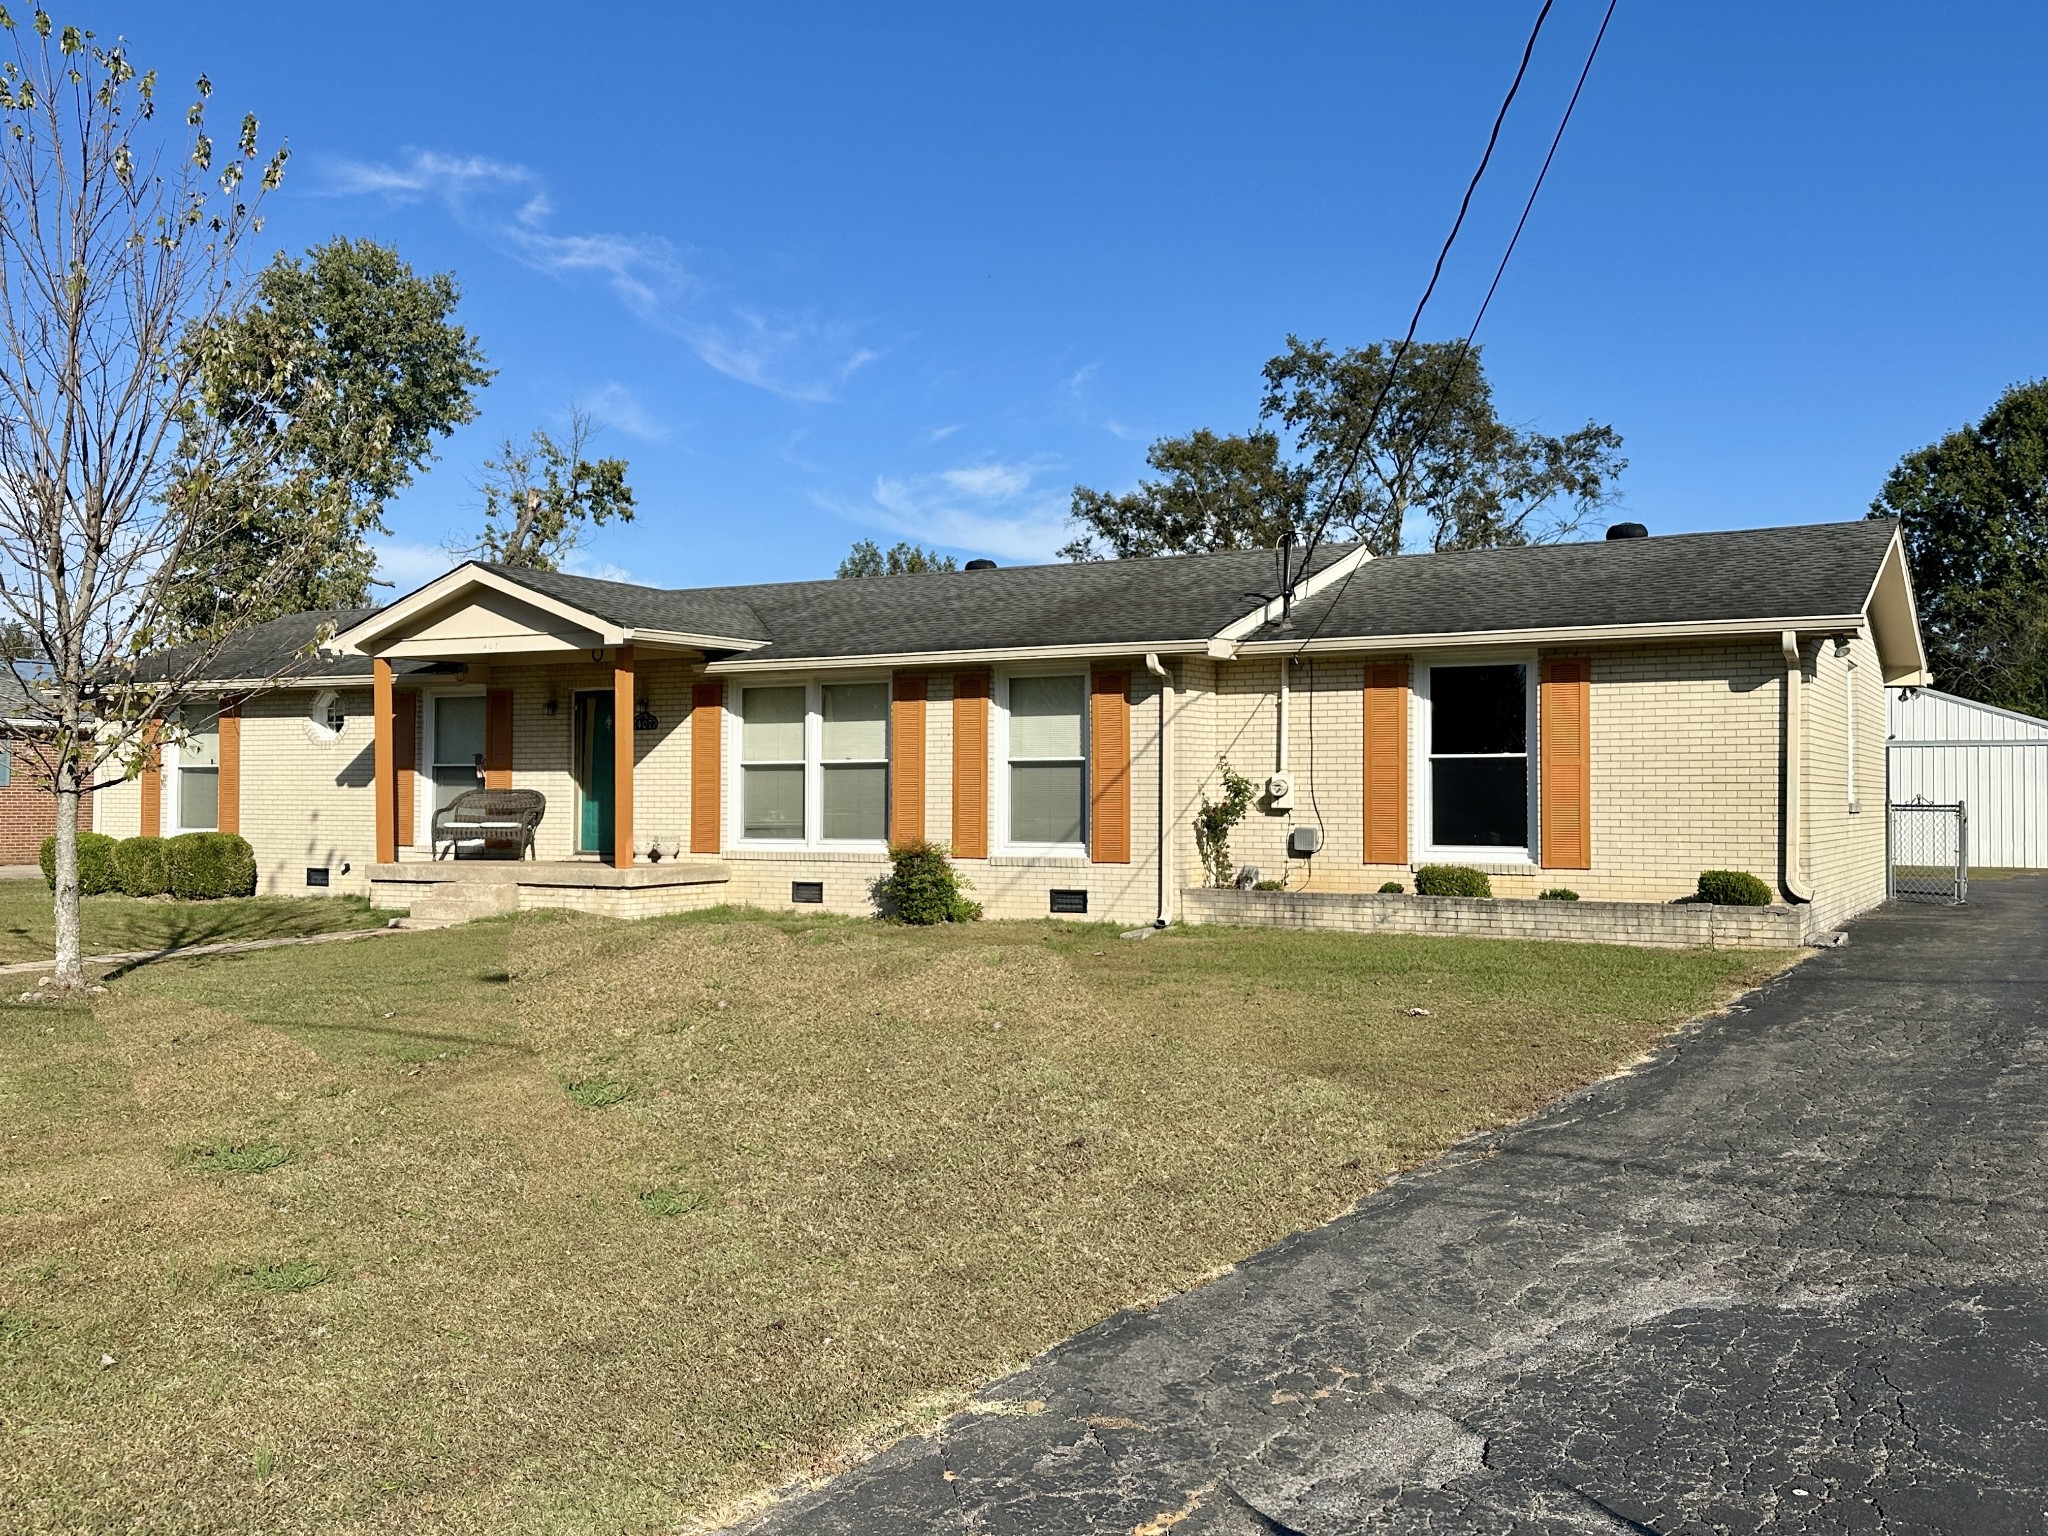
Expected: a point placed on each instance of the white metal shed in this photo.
(1945, 749)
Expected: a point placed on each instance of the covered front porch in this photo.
(486, 682)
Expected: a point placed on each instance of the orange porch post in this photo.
(387, 762)
(622, 758)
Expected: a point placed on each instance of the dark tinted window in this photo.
(1479, 802)
(1478, 709)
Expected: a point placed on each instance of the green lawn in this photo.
(116, 924)
(563, 1225)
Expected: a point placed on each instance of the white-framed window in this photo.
(812, 762)
(1041, 747)
(195, 772)
(453, 747)
(1476, 779)
(326, 717)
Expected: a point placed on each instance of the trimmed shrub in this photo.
(1451, 880)
(1733, 888)
(1392, 888)
(922, 887)
(97, 875)
(205, 866)
(1269, 885)
(1558, 893)
(142, 865)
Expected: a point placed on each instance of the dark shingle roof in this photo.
(1108, 602)
(272, 650)
(1810, 571)
(713, 611)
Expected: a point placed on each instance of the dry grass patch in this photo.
(126, 924)
(589, 1226)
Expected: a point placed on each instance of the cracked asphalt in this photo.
(1786, 1277)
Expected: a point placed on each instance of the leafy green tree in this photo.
(870, 559)
(540, 496)
(1437, 450)
(1975, 512)
(1437, 453)
(1214, 492)
(373, 368)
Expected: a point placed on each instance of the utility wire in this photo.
(1465, 345)
(1364, 437)
(1500, 271)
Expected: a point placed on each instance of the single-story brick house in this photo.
(1613, 716)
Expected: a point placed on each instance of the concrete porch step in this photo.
(455, 903)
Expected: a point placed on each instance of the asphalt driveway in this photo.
(1792, 1275)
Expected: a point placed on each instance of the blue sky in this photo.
(833, 272)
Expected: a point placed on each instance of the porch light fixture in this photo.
(550, 707)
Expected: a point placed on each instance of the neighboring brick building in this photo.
(28, 811)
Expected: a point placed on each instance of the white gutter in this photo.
(735, 665)
(1165, 844)
(1796, 885)
(1703, 629)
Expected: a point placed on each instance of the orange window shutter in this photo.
(1565, 791)
(152, 781)
(707, 731)
(1109, 768)
(229, 816)
(405, 746)
(970, 765)
(906, 757)
(1386, 763)
(498, 739)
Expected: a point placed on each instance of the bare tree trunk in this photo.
(68, 974)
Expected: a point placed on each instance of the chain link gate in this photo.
(1930, 852)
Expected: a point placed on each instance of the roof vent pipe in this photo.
(981, 565)
(1628, 531)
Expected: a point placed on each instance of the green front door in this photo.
(594, 773)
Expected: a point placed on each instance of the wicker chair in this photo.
(491, 820)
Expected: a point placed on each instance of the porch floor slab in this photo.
(577, 874)
(457, 890)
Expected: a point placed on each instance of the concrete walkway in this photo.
(1790, 1276)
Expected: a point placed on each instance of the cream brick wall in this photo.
(306, 802)
(1686, 769)
(117, 809)
(1844, 850)
(1686, 766)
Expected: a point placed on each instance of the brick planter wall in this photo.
(1691, 926)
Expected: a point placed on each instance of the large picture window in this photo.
(814, 763)
(1048, 763)
(1479, 757)
(199, 775)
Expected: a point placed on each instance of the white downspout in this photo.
(1164, 850)
(1796, 885)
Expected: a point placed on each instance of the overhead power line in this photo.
(1364, 436)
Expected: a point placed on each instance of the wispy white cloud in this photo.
(406, 566)
(614, 405)
(797, 355)
(940, 434)
(989, 508)
(581, 563)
